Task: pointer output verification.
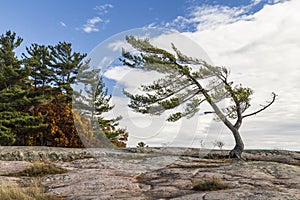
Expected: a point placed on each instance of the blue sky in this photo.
(52, 21)
(47, 22)
(258, 39)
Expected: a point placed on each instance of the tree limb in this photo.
(265, 107)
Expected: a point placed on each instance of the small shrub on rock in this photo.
(40, 170)
(13, 191)
(209, 184)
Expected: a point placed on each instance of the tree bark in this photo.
(237, 151)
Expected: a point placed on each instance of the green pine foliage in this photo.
(36, 97)
(65, 63)
(11, 72)
(16, 123)
(15, 118)
(182, 84)
(37, 60)
(94, 103)
(176, 88)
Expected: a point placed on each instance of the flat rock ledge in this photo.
(158, 173)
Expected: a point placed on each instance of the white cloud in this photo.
(62, 24)
(117, 73)
(94, 20)
(118, 45)
(212, 16)
(208, 16)
(91, 24)
(103, 9)
(179, 23)
(105, 61)
(262, 51)
(255, 2)
(130, 78)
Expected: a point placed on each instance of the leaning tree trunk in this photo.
(237, 151)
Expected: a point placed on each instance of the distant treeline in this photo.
(36, 98)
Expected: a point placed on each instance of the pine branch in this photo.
(264, 107)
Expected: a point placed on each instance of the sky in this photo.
(258, 39)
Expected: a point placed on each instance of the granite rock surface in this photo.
(158, 173)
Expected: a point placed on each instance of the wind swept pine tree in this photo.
(17, 126)
(183, 85)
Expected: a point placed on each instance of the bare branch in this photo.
(264, 107)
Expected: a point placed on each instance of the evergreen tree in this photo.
(94, 103)
(37, 90)
(65, 64)
(16, 124)
(38, 61)
(115, 135)
(11, 72)
(183, 85)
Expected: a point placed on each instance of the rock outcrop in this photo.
(158, 173)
